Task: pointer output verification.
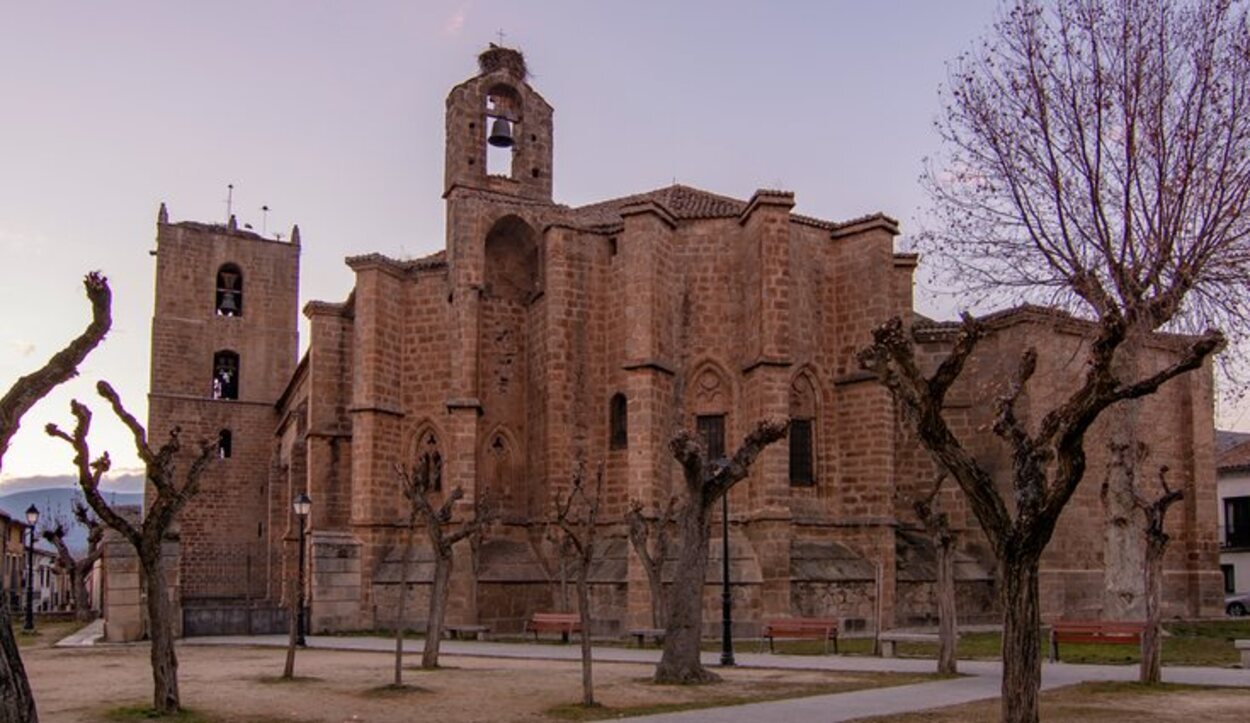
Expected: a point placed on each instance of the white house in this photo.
(1233, 475)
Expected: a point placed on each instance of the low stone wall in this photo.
(228, 618)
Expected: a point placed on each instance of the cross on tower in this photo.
(500, 33)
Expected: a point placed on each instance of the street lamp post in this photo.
(32, 517)
(727, 607)
(302, 506)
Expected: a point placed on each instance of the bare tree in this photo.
(78, 568)
(1154, 511)
(649, 537)
(937, 524)
(163, 473)
(420, 487)
(706, 481)
(16, 701)
(1097, 155)
(1048, 462)
(410, 533)
(577, 516)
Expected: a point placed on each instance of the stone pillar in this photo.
(334, 582)
(645, 250)
(762, 501)
(123, 590)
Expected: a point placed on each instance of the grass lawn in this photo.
(46, 633)
(1089, 702)
(1191, 643)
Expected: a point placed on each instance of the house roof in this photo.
(1227, 439)
(1233, 459)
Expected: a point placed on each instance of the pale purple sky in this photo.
(332, 115)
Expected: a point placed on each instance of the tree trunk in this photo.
(948, 636)
(16, 701)
(292, 630)
(399, 608)
(438, 608)
(655, 579)
(583, 609)
(1124, 553)
(78, 587)
(1022, 651)
(1152, 636)
(680, 661)
(165, 698)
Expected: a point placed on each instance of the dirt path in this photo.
(238, 685)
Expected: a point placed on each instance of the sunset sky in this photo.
(331, 113)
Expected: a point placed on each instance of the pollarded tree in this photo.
(1097, 155)
(16, 701)
(1047, 463)
(937, 524)
(77, 567)
(649, 537)
(420, 487)
(1154, 512)
(706, 481)
(173, 488)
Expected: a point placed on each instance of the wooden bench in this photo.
(889, 639)
(1099, 632)
(825, 629)
(641, 634)
(467, 632)
(563, 623)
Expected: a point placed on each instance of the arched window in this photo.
(225, 444)
(512, 262)
(618, 422)
(429, 460)
(802, 432)
(229, 291)
(225, 375)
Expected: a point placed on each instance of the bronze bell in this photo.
(500, 134)
(229, 306)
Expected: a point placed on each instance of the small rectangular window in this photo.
(711, 427)
(801, 472)
(618, 422)
(1230, 580)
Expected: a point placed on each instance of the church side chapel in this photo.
(545, 338)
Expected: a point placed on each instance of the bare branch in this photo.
(63, 365)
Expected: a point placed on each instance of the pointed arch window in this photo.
(429, 459)
(225, 444)
(618, 422)
(225, 375)
(802, 432)
(229, 290)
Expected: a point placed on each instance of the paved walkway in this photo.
(980, 681)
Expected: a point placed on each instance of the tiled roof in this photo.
(683, 202)
(1234, 458)
(1226, 440)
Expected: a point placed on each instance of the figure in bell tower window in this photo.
(225, 375)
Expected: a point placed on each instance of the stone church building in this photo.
(545, 337)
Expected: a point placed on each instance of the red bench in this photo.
(1099, 632)
(825, 629)
(563, 623)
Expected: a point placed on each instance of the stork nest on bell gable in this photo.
(497, 57)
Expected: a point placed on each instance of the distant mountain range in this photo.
(55, 497)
